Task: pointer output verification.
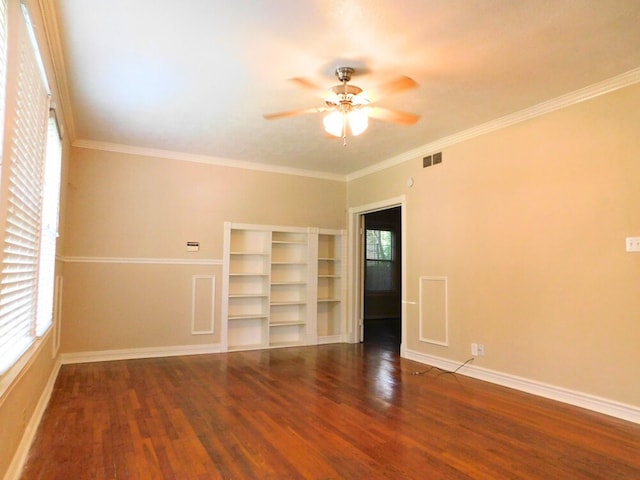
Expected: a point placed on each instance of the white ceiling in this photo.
(195, 76)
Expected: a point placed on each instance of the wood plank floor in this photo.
(326, 412)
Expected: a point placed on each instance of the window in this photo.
(30, 186)
(49, 226)
(380, 261)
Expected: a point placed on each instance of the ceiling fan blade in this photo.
(397, 85)
(294, 113)
(393, 116)
(306, 83)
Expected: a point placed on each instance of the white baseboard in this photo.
(135, 353)
(579, 399)
(19, 458)
(327, 339)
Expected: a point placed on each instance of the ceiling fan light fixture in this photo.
(334, 123)
(358, 121)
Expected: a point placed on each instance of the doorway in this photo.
(382, 277)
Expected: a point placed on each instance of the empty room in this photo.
(322, 239)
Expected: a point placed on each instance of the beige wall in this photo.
(134, 207)
(529, 224)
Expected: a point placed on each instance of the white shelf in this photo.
(256, 316)
(248, 295)
(234, 274)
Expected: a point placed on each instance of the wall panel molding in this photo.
(203, 304)
(433, 305)
(57, 314)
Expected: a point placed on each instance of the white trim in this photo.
(57, 314)
(327, 339)
(53, 35)
(209, 160)
(136, 353)
(194, 280)
(601, 88)
(354, 261)
(155, 261)
(445, 342)
(623, 411)
(20, 456)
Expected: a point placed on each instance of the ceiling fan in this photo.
(348, 105)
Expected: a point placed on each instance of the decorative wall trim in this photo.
(188, 157)
(19, 458)
(579, 399)
(427, 310)
(615, 83)
(57, 315)
(61, 83)
(135, 353)
(142, 260)
(194, 283)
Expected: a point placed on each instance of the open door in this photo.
(382, 293)
(357, 259)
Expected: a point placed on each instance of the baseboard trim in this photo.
(327, 339)
(579, 399)
(136, 353)
(20, 457)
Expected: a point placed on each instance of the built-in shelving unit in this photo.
(331, 288)
(289, 321)
(247, 285)
(282, 286)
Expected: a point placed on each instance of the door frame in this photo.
(355, 274)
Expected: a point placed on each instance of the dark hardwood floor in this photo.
(386, 332)
(326, 412)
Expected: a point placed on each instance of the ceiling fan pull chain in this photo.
(344, 130)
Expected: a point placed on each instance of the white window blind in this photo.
(23, 189)
(3, 66)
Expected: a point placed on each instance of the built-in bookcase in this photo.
(331, 287)
(283, 286)
(247, 285)
(289, 319)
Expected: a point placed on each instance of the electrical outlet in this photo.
(633, 244)
(481, 349)
(474, 349)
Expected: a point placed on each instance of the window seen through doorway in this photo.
(380, 261)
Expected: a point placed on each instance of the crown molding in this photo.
(188, 157)
(52, 33)
(597, 89)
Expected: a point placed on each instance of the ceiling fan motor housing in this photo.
(344, 73)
